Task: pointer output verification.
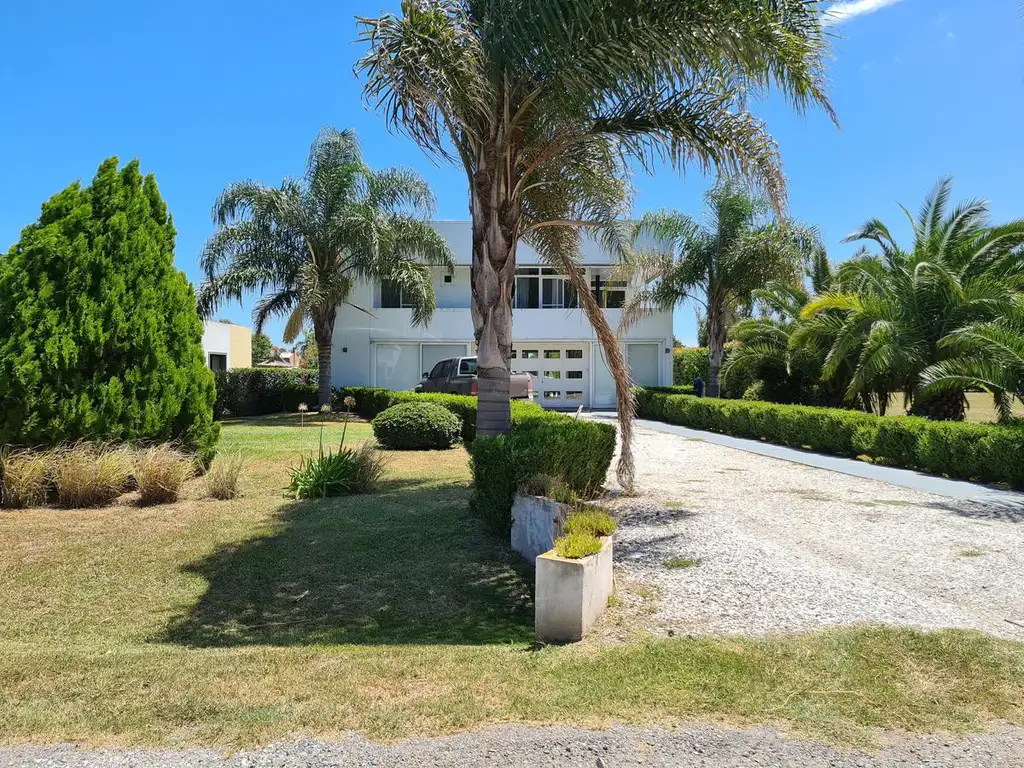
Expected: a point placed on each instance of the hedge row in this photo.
(258, 391)
(981, 452)
(688, 363)
(540, 442)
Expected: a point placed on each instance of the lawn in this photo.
(236, 623)
(980, 408)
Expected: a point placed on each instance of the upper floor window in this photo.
(610, 294)
(543, 288)
(392, 296)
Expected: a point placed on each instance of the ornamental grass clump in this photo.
(23, 476)
(575, 546)
(224, 475)
(548, 486)
(89, 475)
(160, 473)
(337, 474)
(592, 520)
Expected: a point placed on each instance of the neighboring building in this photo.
(226, 345)
(552, 338)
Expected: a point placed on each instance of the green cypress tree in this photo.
(99, 334)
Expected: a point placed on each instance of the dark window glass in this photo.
(574, 374)
(390, 295)
(218, 362)
(551, 295)
(571, 299)
(438, 370)
(527, 293)
(574, 354)
(467, 367)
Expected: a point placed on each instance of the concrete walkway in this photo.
(905, 478)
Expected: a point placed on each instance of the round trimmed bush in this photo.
(416, 427)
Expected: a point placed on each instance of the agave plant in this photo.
(546, 103)
(899, 306)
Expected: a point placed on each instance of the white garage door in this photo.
(397, 366)
(644, 363)
(561, 373)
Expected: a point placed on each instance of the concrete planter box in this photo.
(571, 594)
(536, 523)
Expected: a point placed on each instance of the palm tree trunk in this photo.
(716, 346)
(323, 330)
(948, 405)
(625, 470)
(492, 280)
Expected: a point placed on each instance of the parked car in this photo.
(457, 376)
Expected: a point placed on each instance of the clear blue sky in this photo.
(208, 92)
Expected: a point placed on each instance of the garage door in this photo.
(561, 373)
(644, 363)
(397, 366)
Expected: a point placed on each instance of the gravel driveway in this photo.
(686, 747)
(764, 545)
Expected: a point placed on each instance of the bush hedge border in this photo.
(976, 452)
(541, 441)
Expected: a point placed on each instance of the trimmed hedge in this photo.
(258, 391)
(417, 426)
(579, 452)
(981, 452)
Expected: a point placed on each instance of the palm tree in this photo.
(720, 265)
(304, 245)
(989, 356)
(899, 305)
(546, 102)
(783, 349)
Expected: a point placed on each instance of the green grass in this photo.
(979, 407)
(971, 553)
(232, 623)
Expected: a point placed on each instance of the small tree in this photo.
(262, 348)
(101, 339)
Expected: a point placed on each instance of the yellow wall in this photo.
(240, 355)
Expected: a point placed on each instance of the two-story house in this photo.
(553, 341)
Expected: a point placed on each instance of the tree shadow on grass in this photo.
(401, 566)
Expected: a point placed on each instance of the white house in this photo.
(226, 345)
(553, 340)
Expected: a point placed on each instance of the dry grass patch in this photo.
(23, 477)
(223, 478)
(243, 621)
(88, 475)
(160, 472)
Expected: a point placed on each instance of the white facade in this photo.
(554, 343)
(226, 345)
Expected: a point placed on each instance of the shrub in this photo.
(258, 391)
(223, 476)
(540, 441)
(101, 338)
(23, 478)
(549, 486)
(417, 426)
(160, 472)
(984, 452)
(88, 475)
(688, 363)
(337, 474)
(592, 520)
(575, 546)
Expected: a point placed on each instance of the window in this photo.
(574, 374)
(535, 374)
(467, 367)
(530, 354)
(437, 371)
(610, 294)
(543, 288)
(574, 354)
(552, 354)
(447, 278)
(552, 395)
(574, 394)
(513, 354)
(552, 374)
(218, 362)
(392, 296)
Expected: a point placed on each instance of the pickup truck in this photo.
(457, 376)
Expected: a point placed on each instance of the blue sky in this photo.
(209, 92)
